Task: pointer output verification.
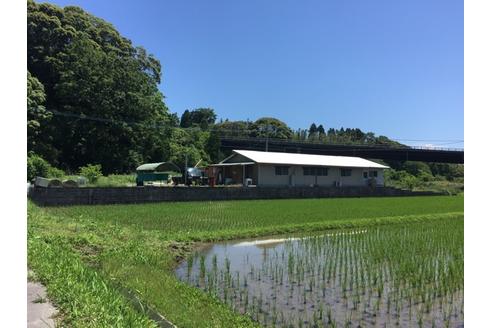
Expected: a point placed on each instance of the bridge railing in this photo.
(334, 143)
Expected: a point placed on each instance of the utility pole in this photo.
(266, 144)
(186, 169)
(268, 129)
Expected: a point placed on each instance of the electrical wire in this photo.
(165, 125)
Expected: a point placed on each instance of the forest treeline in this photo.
(93, 98)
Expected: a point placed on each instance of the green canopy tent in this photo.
(162, 171)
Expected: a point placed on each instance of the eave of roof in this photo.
(232, 164)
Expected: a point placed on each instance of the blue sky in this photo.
(391, 67)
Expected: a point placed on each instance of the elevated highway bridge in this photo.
(383, 152)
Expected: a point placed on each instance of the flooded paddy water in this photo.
(403, 275)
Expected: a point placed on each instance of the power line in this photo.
(449, 143)
(430, 140)
(105, 120)
(362, 146)
(236, 130)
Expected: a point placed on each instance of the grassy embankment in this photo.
(85, 254)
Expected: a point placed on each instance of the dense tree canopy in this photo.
(234, 128)
(200, 117)
(37, 115)
(271, 127)
(89, 70)
(188, 146)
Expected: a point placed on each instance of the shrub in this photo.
(439, 178)
(54, 172)
(425, 176)
(91, 171)
(37, 167)
(416, 168)
(459, 180)
(409, 181)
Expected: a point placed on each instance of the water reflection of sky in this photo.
(244, 254)
(241, 255)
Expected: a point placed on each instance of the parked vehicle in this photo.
(196, 176)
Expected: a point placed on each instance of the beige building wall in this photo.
(296, 177)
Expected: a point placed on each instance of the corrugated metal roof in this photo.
(263, 157)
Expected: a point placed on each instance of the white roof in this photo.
(232, 164)
(306, 159)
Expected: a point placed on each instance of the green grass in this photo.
(446, 187)
(83, 296)
(441, 185)
(137, 246)
(112, 180)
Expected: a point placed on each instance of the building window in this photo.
(346, 172)
(373, 174)
(311, 170)
(365, 175)
(281, 170)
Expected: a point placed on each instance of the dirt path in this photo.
(40, 311)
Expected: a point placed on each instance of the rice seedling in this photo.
(331, 279)
(213, 221)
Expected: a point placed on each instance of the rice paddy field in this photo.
(359, 262)
(398, 275)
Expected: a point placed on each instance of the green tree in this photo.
(185, 119)
(102, 90)
(271, 127)
(450, 171)
(190, 145)
(37, 115)
(200, 117)
(234, 128)
(313, 129)
(212, 146)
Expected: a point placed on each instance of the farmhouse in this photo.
(288, 169)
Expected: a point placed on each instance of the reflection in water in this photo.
(331, 279)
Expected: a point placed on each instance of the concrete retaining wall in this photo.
(129, 195)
